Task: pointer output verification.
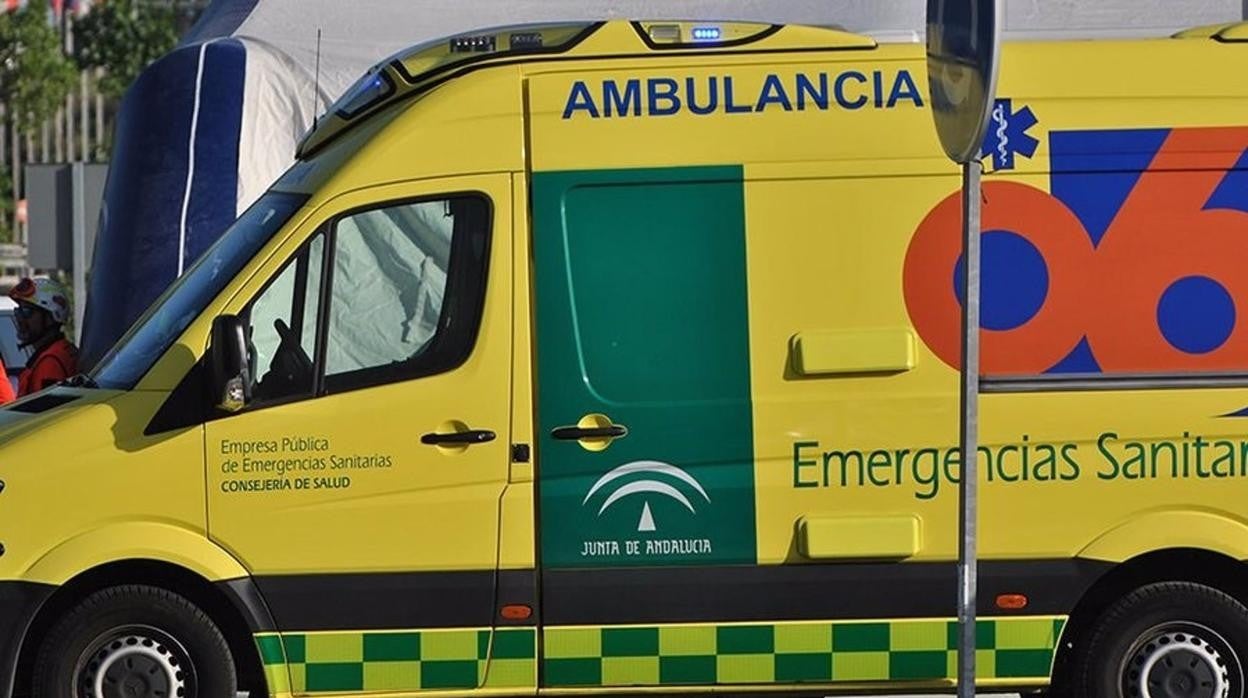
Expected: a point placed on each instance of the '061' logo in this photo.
(1134, 262)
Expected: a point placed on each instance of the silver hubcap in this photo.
(1180, 661)
(135, 663)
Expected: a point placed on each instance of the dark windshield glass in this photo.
(158, 328)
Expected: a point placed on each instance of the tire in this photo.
(140, 637)
(1166, 640)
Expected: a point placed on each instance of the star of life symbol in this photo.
(661, 479)
(1007, 134)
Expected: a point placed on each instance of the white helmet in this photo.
(45, 293)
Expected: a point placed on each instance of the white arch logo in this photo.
(648, 485)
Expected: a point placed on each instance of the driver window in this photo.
(282, 328)
(407, 290)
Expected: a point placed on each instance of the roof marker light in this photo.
(474, 44)
(666, 33)
(521, 41)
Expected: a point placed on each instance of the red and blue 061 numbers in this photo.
(1137, 262)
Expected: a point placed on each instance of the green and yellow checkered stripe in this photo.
(910, 650)
(410, 660)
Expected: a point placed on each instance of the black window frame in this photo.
(298, 297)
(190, 403)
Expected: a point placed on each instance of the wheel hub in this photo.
(135, 665)
(1178, 664)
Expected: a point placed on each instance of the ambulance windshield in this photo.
(158, 328)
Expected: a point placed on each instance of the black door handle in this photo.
(459, 438)
(614, 431)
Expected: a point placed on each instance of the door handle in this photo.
(459, 438)
(576, 433)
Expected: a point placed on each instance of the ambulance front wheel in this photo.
(1167, 640)
(135, 642)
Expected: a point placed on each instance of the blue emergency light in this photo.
(707, 34)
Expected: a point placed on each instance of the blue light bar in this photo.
(366, 92)
(707, 34)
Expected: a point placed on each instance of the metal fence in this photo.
(79, 131)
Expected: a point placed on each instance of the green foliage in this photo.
(123, 37)
(6, 205)
(35, 75)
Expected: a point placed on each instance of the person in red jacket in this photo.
(42, 310)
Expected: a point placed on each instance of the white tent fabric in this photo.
(278, 104)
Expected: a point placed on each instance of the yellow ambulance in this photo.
(622, 358)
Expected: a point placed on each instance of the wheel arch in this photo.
(154, 554)
(1211, 568)
(175, 544)
(1157, 531)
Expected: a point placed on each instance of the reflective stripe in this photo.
(190, 158)
(405, 660)
(1008, 649)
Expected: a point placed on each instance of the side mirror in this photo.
(228, 369)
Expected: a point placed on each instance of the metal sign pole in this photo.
(963, 57)
(78, 195)
(969, 429)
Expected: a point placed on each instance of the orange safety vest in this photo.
(6, 388)
(53, 364)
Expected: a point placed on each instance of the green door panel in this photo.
(642, 317)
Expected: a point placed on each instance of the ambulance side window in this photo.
(282, 328)
(407, 290)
